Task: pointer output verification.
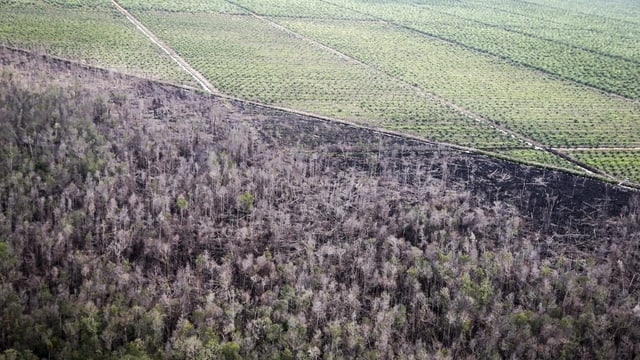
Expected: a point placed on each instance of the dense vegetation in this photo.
(146, 221)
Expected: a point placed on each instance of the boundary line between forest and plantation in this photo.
(209, 88)
(440, 146)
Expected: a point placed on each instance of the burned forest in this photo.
(142, 220)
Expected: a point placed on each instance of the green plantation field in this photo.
(207, 6)
(538, 157)
(90, 31)
(587, 48)
(556, 25)
(623, 10)
(508, 77)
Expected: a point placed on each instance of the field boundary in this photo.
(535, 145)
(441, 146)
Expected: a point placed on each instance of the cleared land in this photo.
(556, 75)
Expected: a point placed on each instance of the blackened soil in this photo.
(555, 201)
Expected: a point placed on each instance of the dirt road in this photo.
(206, 85)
